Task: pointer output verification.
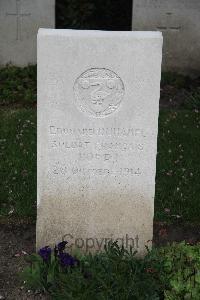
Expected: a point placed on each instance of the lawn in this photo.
(178, 164)
(18, 162)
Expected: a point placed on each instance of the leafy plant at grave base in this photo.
(181, 271)
(171, 272)
(113, 274)
(18, 85)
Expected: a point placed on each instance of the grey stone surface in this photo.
(19, 24)
(179, 20)
(98, 104)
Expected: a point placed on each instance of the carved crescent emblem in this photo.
(98, 92)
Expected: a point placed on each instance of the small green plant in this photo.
(181, 271)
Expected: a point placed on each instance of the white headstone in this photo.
(98, 104)
(179, 20)
(19, 24)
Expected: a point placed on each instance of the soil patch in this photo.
(16, 241)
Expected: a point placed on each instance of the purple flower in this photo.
(45, 253)
(61, 246)
(66, 260)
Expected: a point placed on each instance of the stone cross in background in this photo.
(179, 20)
(169, 27)
(19, 24)
(19, 15)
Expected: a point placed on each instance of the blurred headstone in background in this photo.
(19, 23)
(179, 20)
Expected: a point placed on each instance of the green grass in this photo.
(18, 162)
(178, 164)
(18, 86)
(176, 80)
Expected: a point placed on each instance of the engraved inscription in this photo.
(111, 131)
(19, 15)
(104, 152)
(98, 92)
(99, 146)
(98, 156)
(62, 169)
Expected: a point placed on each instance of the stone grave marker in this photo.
(179, 20)
(19, 24)
(98, 104)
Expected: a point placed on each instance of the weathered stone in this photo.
(20, 21)
(98, 103)
(179, 20)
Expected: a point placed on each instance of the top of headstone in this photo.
(100, 33)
